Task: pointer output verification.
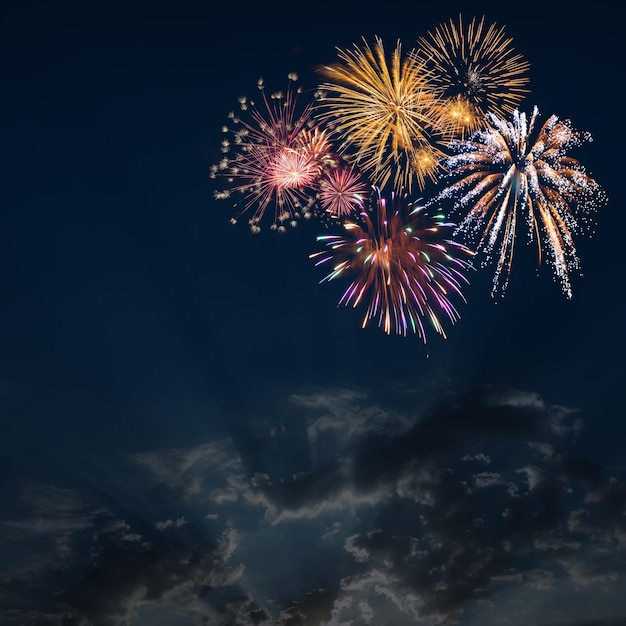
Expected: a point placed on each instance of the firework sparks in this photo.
(342, 191)
(405, 268)
(447, 113)
(273, 158)
(477, 70)
(513, 171)
(383, 113)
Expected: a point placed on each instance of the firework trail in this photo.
(383, 114)
(404, 268)
(477, 69)
(515, 171)
(273, 158)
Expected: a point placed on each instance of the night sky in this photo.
(192, 432)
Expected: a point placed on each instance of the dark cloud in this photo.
(428, 518)
(304, 491)
(460, 535)
(313, 609)
(620, 621)
(105, 595)
(487, 412)
(243, 610)
(122, 572)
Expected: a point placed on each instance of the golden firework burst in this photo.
(385, 113)
(477, 70)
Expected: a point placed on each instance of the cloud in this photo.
(54, 540)
(47, 529)
(242, 610)
(169, 523)
(345, 413)
(487, 479)
(125, 577)
(307, 495)
(182, 473)
(97, 571)
(463, 535)
(311, 610)
(432, 518)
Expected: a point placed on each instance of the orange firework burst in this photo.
(477, 70)
(383, 113)
(273, 158)
(512, 171)
(406, 270)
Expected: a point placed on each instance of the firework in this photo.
(404, 268)
(342, 191)
(383, 114)
(272, 158)
(512, 171)
(477, 70)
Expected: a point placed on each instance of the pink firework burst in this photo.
(292, 169)
(405, 269)
(272, 158)
(342, 191)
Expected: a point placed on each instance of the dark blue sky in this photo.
(192, 430)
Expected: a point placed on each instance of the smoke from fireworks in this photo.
(513, 171)
(404, 268)
(477, 70)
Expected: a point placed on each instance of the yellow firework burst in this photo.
(477, 70)
(384, 113)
